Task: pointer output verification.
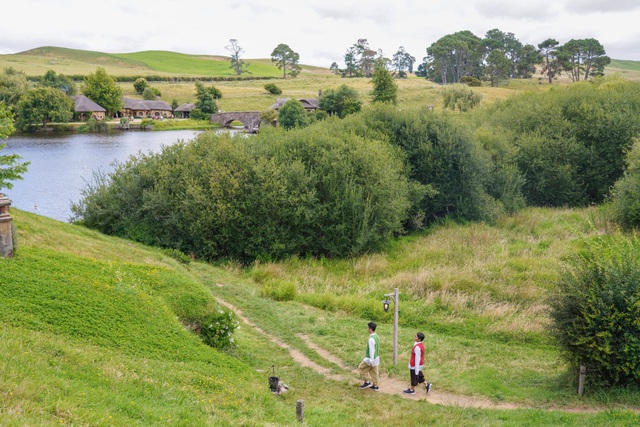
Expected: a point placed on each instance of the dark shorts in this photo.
(416, 379)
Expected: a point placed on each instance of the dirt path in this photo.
(388, 385)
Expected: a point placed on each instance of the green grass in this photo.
(91, 336)
(76, 62)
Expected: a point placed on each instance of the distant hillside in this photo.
(81, 62)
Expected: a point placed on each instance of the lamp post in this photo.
(385, 306)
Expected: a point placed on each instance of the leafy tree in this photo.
(174, 104)
(238, 65)
(498, 67)
(402, 61)
(13, 84)
(385, 89)
(59, 81)
(367, 57)
(272, 89)
(103, 90)
(149, 94)
(526, 64)
(286, 59)
(595, 311)
(455, 55)
(140, 85)
(583, 56)
(335, 68)
(42, 105)
(10, 170)
(340, 102)
(206, 98)
(351, 64)
(292, 114)
(550, 65)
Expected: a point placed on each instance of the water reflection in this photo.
(62, 164)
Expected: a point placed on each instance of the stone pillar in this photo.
(6, 240)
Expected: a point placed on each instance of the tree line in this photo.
(496, 57)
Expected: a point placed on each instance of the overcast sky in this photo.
(320, 31)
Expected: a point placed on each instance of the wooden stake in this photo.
(583, 374)
(300, 410)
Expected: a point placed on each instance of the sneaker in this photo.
(375, 388)
(366, 384)
(428, 387)
(409, 391)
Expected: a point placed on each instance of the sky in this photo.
(319, 31)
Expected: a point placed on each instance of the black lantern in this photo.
(385, 305)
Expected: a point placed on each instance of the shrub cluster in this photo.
(569, 142)
(596, 311)
(272, 89)
(625, 195)
(317, 191)
(217, 328)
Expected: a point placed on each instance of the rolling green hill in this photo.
(73, 62)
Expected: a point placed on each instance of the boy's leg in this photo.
(364, 370)
(374, 375)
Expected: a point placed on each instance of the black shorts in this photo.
(416, 379)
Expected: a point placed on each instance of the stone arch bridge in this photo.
(251, 119)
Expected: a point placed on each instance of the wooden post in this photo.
(300, 410)
(396, 301)
(583, 374)
(6, 238)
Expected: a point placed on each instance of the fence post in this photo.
(300, 410)
(583, 373)
(6, 237)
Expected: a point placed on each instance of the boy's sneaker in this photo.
(409, 391)
(366, 384)
(428, 387)
(375, 388)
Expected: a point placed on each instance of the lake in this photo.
(62, 164)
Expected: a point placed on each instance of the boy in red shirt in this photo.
(416, 362)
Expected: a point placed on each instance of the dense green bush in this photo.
(217, 328)
(93, 125)
(459, 96)
(443, 159)
(596, 311)
(272, 89)
(470, 81)
(571, 141)
(292, 115)
(140, 85)
(340, 102)
(625, 195)
(317, 191)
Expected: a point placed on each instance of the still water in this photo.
(63, 163)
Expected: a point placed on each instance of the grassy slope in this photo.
(90, 335)
(70, 61)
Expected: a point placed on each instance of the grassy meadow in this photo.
(91, 330)
(91, 334)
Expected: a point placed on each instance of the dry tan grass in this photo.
(501, 273)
